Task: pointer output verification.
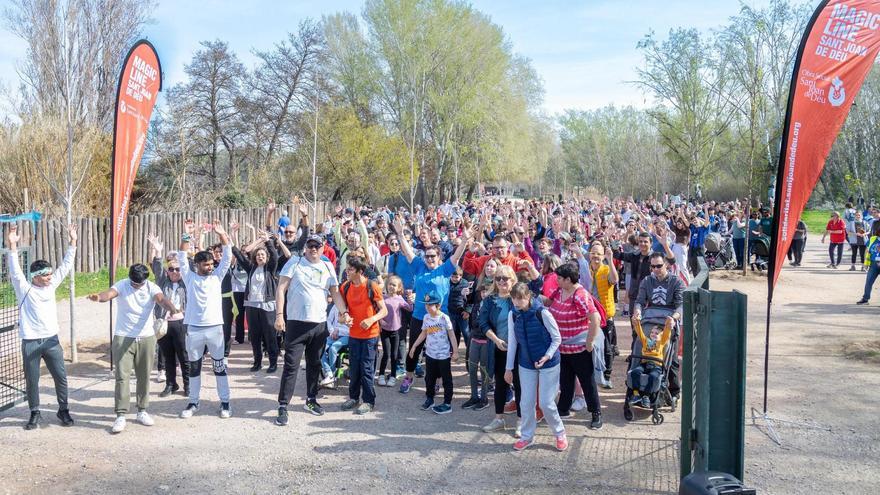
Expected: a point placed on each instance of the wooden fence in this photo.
(93, 252)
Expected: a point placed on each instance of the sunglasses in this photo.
(173, 269)
(657, 266)
(313, 246)
(502, 279)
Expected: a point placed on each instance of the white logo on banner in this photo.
(837, 95)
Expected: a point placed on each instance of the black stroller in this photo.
(719, 252)
(660, 396)
(760, 248)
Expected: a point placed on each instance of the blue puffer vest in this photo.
(532, 338)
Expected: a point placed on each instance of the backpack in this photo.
(371, 294)
(603, 317)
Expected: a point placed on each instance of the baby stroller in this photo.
(719, 252)
(660, 396)
(760, 247)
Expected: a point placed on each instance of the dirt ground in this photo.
(400, 449)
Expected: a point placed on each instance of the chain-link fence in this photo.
(12, 383)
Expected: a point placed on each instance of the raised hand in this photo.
(155, 243)
(218, 228)
(234, 226)
(71, 233)
(271, 207)
(13, 236)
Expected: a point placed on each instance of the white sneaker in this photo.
(144, 418)
(518, 432)
(118, 425)
(579, 404)
(495, 425)
(225, 410)
(328, 382)
(391, 381)
(189, 411)
(160, 376)
(381, 382)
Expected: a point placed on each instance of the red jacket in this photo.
(474, 264)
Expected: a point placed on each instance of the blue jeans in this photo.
(873, 272)
(331, 351)
(362, 365)
(739, 245)
(460, 328)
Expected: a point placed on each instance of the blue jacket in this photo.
(532, 338)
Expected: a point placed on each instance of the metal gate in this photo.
(713, 379)
(12, 384)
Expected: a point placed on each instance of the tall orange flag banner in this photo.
(836, 52)
(139, 85)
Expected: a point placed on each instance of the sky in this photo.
(585, 51)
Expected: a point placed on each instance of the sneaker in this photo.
(442, 408)
(517, 433)
(510, 407)
(420, 371)
(862, 301)
(329, 382)
(272, 368)
(836, 267)
(282, 419)
(428, 404)
(63, 415)
(646, 402)
(256, 367)
(607, 385)
(225, 410)
(852, 268)
(405, 385)
(118, 425)
(829, 265)
(596, 422)
(635, 400)
(561, 442)
(160, 376)
(392, 381)
(579, 404)
(521, 444)
(34, 421)
(567, 414)
(144, 418)
(483, 404)
(470, 403)
(495, 425)
(349, 404)
(313, 407)
(382, 382)
(168, 390)
(189, 411)
(363, 409)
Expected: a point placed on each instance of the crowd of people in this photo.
(530, 293)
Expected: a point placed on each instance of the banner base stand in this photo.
(770, 420)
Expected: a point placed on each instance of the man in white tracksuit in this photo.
(204, 319)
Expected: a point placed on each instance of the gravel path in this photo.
(400, 449)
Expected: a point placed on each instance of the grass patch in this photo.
(816, 221)
(868, 352)
(89, 283)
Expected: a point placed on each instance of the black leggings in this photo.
(390, 348)
(831, 248)
(173, 347)
(438, 369)
(302, 337)
(262, 331)
(239, 318)
(577, 366)
(501, 386)
(415, 328)
(860, 250)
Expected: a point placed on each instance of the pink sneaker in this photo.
(522, 444)
(561, 442)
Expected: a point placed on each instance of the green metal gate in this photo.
(713, 379)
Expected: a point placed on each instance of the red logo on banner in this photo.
(837, 51)
(139, 85)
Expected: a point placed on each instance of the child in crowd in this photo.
(459, 310)
(653, 346)
(438, 337)
(535, 335)
(337, 339)
(391, 326)
(478, 357)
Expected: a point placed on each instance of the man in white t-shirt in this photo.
(304, 284)
(203, 317)
(38, 324)
(134, 339)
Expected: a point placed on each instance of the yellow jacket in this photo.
(657, 349)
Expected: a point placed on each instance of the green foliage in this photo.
(816, 221)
